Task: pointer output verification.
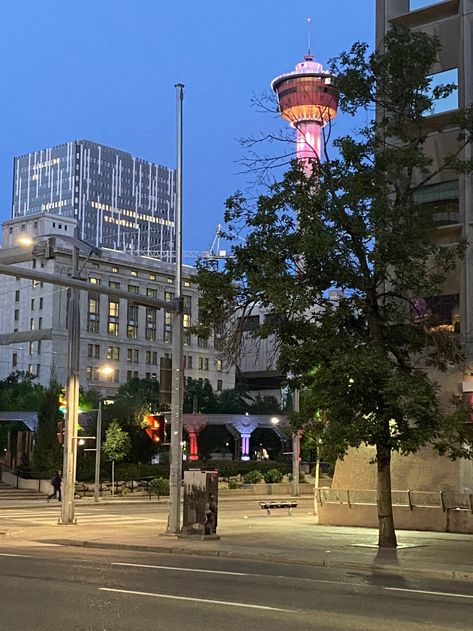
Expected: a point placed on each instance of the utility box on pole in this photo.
(200, 504)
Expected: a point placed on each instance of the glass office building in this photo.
(119, 201)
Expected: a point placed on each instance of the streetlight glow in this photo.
(25, 240)
(107, 370)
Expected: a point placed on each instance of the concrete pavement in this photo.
(246, 533)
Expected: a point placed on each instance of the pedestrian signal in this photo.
(155, 427)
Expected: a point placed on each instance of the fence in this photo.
(446, 500)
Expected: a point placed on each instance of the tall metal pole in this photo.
(98, 446)
(295, 451)
(72, 391)
(175, 473)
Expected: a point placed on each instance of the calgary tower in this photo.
(308, 100)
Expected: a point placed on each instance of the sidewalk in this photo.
(250, 533)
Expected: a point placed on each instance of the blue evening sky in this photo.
(105, 70)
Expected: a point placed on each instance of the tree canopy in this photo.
(345, 260)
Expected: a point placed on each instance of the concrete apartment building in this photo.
(132, 339)
(119, 201)
(451, 197)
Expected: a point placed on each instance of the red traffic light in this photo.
(156, 427)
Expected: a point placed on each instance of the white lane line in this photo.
(422, 591)
(182, 569)
(273, 576)
(195, 600)
(23, 556)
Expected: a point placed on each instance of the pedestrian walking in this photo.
(56, 484)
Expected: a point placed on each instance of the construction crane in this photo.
(212, 256)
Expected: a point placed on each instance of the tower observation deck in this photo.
(308, 100)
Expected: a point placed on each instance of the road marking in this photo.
(196, 600)
(422, 591)
(23, 556)
(183, 569)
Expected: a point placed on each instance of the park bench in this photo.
(269, 506)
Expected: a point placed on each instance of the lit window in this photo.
(115, 270)
(94, 281)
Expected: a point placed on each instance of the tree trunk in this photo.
(113, 477)
(387, 534)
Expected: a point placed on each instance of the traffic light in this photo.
(155, 427)
(63, 401)
(60, 431)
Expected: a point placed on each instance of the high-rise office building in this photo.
(119, 201)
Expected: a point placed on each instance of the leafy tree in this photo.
(201, 392)
(356, 225)
(133, 401)
(116, 446)
(48, 453)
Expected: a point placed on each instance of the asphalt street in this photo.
(55, 588)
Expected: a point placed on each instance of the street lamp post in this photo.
(175, 469)
(98, 446)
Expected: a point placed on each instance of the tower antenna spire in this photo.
(309, 30)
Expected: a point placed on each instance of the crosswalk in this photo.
(50, 516)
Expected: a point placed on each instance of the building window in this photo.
(113, 352)
(40, 303)
(218, 365)
(201, 363)
(150, 324)
(113, 317)
(206, 363)
(152, 276)
(219, 385)
(17, 295)
(189, 362)
(167, 327)
(14, 360)
(32, 324)
(132, 355)
(186, 283)
(132, 324)
(93, 315)
(129, 375)
(16, 315)
(202, 342)
(134, 289)
(152, 293)
(115, 270)
(94, 281)
(134, 272)
(170, 280)
(40, 323)
(90, 350)
(32, 304)
(113, 285)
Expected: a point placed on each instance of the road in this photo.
(52, 588)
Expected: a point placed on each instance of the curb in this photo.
(452, 574)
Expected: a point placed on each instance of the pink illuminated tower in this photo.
(308, 100)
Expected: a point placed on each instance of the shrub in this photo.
(233, 484)
(159, 486)
(253, 477)
(273, 476)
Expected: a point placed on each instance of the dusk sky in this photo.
(105, 70)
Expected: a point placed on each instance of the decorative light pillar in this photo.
(193, 445)
(245, 446)
(193, 425)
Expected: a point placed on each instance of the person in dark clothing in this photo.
(56, 484)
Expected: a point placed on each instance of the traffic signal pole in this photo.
(72, 392)
(175, 469)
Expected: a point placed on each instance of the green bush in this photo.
(273, 476)
(159, 486)
(253, 477)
